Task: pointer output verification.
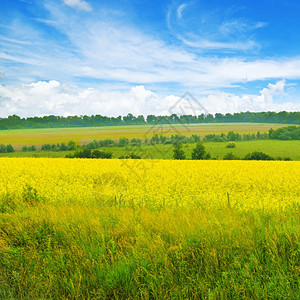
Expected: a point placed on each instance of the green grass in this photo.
(274, 148)
(83, 135)
(92, 252)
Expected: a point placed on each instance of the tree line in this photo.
(51, 121)
(199, 153)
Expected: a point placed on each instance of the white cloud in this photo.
(110, 50)
(206, 28)
(180, 10)
(80, 4)
(45, 98)
(228, 102)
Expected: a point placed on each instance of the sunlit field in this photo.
(84, 135)
(149, 229)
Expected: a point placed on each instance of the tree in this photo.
(178, 152)
(63, 147)
(10, 148)
(123, 142)
(2, 148)
(72, 145)
(199, 152)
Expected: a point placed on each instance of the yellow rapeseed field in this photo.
(154, 184)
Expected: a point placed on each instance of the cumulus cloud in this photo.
(264, 101)
(51, 97)
(80, 4)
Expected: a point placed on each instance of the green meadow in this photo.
(274, 148)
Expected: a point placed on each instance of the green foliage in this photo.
(63, 147)
(71, 145)
(230, 156)
(30, 195)
(136, 142)
(132, 155)
(178, 153)
(58, 147)
(101, 154)
(231, 145)
(15, 122)
(2, 148)
(123, 142)
(88, 153)
(199, 152)
(234, 136)
(215, 138)
(10, 148)
(256, 155)
(285, 133)
(6, 148)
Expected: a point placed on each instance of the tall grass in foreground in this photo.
(109, 229)
(93, 252)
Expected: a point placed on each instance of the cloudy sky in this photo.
(67, 57)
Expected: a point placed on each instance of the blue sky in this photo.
(113, 57)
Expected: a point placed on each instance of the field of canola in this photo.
(149, 229)
(155, 184)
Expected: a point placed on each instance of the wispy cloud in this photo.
(208, 29)
(110, 50)
(180, 10)
(80, 4)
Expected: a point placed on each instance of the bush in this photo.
(101, 154)
(63, 147)
(130, 156)
(46, 147)
(123, 142)
(71, 145)
(10, 148)
(214, 138)
(231, 145)
(88, 153)
(230, 156)
(258, 156)
(2, 148)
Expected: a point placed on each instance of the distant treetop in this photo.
(15, 122)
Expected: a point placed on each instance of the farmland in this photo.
(83, 135)
(148, 229)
